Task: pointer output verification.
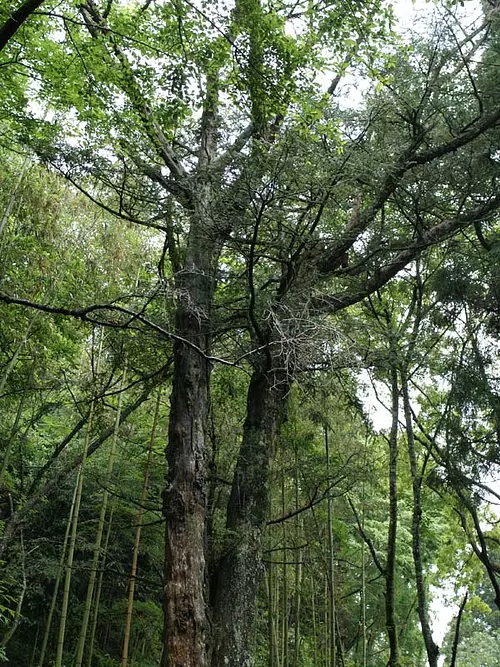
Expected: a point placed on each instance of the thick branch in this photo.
(16, 19)
(88, 314)
(433, 236)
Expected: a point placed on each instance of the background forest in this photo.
(249, 334)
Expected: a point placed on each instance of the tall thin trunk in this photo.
(60, 571)
(97, 601)
(363, 584)
(298, 567)
(390, 612)
(137, 542)
(72, 543)
(456, 638)
(326, 622)
(13, 361)
(74, 527)
(332, 617)
(240, 570)
(270, 614)
(35, 648)
(314, 623)
(284, 579)
(430, 646)
(100, 530)
(276, 617)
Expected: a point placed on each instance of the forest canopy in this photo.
(249, 333)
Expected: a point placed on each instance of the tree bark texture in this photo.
(186, 620)
(240, 569)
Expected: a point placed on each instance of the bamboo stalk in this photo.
(100, 530)
(97, 600)
(58, 580)
(298, 567)
(331, 563)
(135, 554)
(74, 528)
(284, 611)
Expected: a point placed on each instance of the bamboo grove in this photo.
(249, 322)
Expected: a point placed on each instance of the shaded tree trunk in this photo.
(240, 569)
(456, 638)
(390, 612)
(186, 619)
(430, 646)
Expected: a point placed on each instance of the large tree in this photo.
(278, 210)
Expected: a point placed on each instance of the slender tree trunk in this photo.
(240, 570)
(60, 571)
(100, 530)
(137, 542)
(13, 361)
(74, 527)
(390, 612)
(17, 614)
(430, 647)
(314, 623)
(298, 567)
(270, 612)
(97, 601)
(331, 562)
(12, 198)
(71, 549)
(363, 582)
(326, 623)
(456, 638)
(284, 579)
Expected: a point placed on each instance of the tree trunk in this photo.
(240, 568)
(298, 566)
(16, 19)
(97, 600)
(430, 646)
(284, 580)
(74, 527)
(60, 571)
(137, 541)
(390, 613)
(185, 607)
(456, 638)
(331, 562)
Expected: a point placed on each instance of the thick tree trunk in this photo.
(186, 622)
(240, 570)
